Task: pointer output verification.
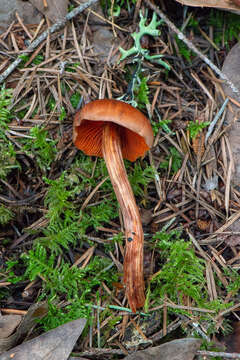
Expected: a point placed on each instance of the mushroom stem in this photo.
(133, 258)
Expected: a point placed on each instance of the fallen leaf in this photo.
(53, 345)
(8, 323)
(181, 349)
(27, 322)
(220, 4)
(55, 10)
(231, 68)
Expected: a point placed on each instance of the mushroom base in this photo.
(133, 258)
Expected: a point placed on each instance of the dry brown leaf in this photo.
(221, 4)
(8, 324)
(52, 345)
(36, 311)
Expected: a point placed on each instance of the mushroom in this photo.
(115, 131)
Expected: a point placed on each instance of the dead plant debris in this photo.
(61, 229)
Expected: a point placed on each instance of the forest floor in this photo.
(62, 235)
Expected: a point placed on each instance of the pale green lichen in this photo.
(137, 49)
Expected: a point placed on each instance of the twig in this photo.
(182, 307)
(55, 27)
(95, 352)
(193, 48)
(215, 120)
(220, 353)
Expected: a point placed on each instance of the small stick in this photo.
(55, 27)
(224, 355)
(23, 26)
(5, 283)
(193, 48)
(13, 311)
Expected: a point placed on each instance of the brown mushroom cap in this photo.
(134, 128)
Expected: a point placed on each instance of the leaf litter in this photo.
(54, 344)
(191, 191)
